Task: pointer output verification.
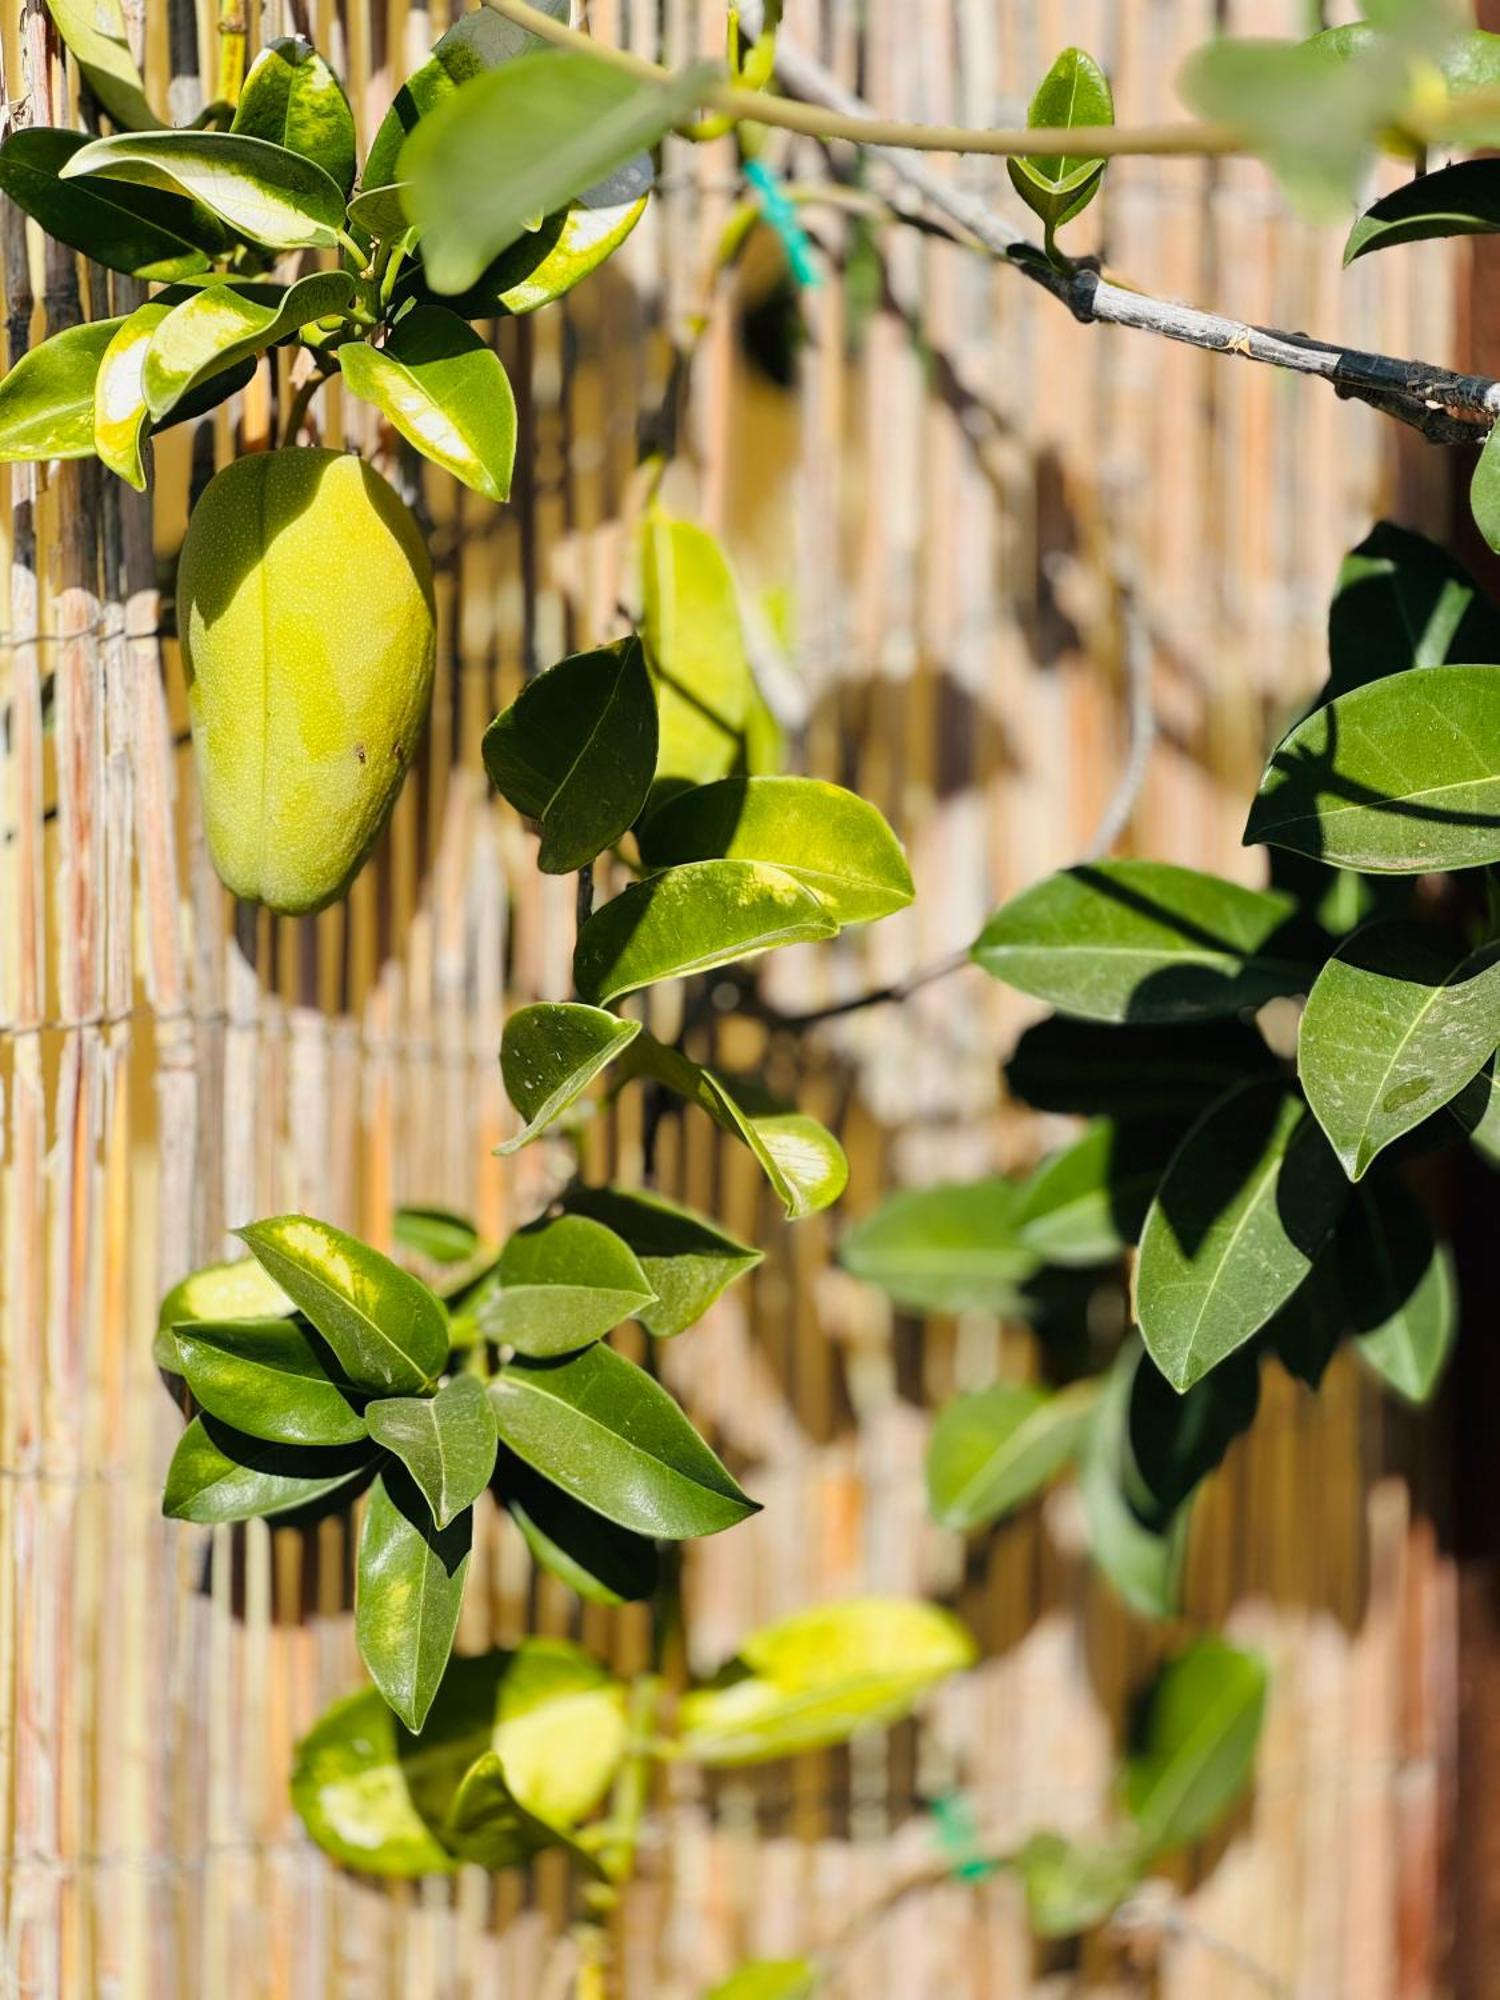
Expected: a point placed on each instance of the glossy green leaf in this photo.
(488, 1824)
(1403, 602)
(543, 266)
(950, 1248)
(1197, 1744)
(832, 841)
(1305, 1334)
(96, 35)
(992, 1451)
(219, 325)
(238, 1291)
(601, 1429)
(1173, 1442)
(121, 418)
(768, 1979)
(690, 623)
(1088, 1203)
(1476, 1110)
(1484, 492)
(381, 212)
(218, 1474)
(137, 230)
(349, 1786)
(409, 1591)
(390, 1334)
(1401, 777)
(560, 1286)
(445, 390)
(476, 42)
(270, 1378)
(523, 140)
(575, 751)
(1460, 200)
(266, 194)
(438, 1234)
(1131, 1072)
(1075, 91)
(293, 98)
(1072, 1886)
(1393, 1029)
(1142, 941)
(603, 1563)
(1248, 1201)
(47, 399)
(1400, 1289)
(446, 1442)
(688, 1260)
(549, 1055)
(691, 919)
(1142, 1561)
(818, 1677)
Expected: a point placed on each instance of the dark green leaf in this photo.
(603, 1563)
(1143, 1563)
(445, 391)
(219, 1474)
(1461, 200)
(1142, 941)
(1087, 1204)
(1305, 1334)
(1131, 1072)
(293, 98)
(270, 1378)
(994, 1450)
(446, 1442)
(600, 1428)
(436, 1234)
(1175, 1441)
(218, 325)
(832, 841)
(1399, 1286)
(388, 1331)
(1393, 1030)
(549, 1055)
(1248, 1201)
(688, 1260)
(1197, 1744)
(559, 1286)
(137, 230)
(1403, 602)
(242, 1290)
(575, 751)
(266, 194)
(1075, 91)
(1401, 777)
(1071, 1886)
(47, 399)
(520, 141)
(95, 33)
(409, 1593)
(951, 1248)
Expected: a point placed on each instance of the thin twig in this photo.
(1140, 734)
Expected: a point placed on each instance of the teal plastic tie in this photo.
(781, 216)
(958, 1838)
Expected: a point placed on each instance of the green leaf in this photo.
(437, 1234)
(381, 212)
(476, 42)
(350, 1788)
(544, 265)
(768, 1979)
(1306, 1333)
(549, 1055)
(47, 399)
(992, 1451)
(1173, 1442)
(121, 417)
(1476, 1109)
(1075, 91)
(95, 33)
(139, 231)
(1250, 1197)
(818, 1677)
(1393, 1030)
(446, 1442)
(1088, 1203)
(1072, 1886)
(219, 325)
(218, 1474)
(1400, 778)
(1197, 1745)
(603, 1563)
(801, 1159)
(293, 98)
(688, 1260)
(1461, 200)
(560, 1729)
(488, 1825)
(1142, 941)
(602, 1430)
(1142, 1561)
(1484, 492)
(690, 919)
(238, 1291)
(1130, 1072)
(690, 623)
(575, 751)
(521, 141)
(950, 1248)
(390, 1334)
(1403, 602)
(265, 193)
(560, 1286)
(831, 840)
(409, 1592)
(445, 390)
(270, 1378)
(1400, 1289)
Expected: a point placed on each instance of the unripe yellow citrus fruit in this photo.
(304, 606)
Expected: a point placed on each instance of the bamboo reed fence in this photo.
(951, 527)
